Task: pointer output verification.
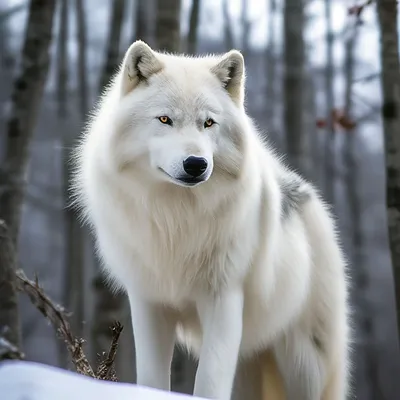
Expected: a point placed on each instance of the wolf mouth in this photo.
(184, 180)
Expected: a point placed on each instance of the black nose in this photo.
(195, 166)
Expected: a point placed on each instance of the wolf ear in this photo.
(140, 62)
(230, 71)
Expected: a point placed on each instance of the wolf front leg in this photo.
(221, 318)
(154, 332)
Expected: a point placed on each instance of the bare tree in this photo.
(294, 56)
(9, 315)
(228, 32)
(387, 13)
(367, 378)
(82, 54)
(330, 167)
(62, 104)
(168, 39)
(62, 59)
(246, 24)
(350, 151)
(107, 305)
(74, 235)
(271, 68)
(113, 43)
(193, 27)
(140, 31)
(25, 101)
(168, 25)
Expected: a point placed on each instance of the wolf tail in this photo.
(272, 387)
(259, 379)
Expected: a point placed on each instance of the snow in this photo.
(23, 380)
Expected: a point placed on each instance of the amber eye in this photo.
(208, 123)
(165, 120)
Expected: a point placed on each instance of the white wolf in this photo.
(216, 242)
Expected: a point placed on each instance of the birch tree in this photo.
(388, 23)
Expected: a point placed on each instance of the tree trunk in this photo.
(168, 25)
(193, 27)
(366, 368)
(62, 109)
(228, 32)
(9, 314)
(108, 306)
(82, 53)
(112, 58)
(168, 39)
(330, 165)
(62, 72)
(294, 84)
(74, 234)
(245, 22)
(25, 102)
(140, 29)
(271, 70)
(350, 151)
(387, 13)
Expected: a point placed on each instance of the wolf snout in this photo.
(195, 166)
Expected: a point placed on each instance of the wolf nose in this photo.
(195, 166)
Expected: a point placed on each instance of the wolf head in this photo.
(179, 117)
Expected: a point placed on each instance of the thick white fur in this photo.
(218, 263)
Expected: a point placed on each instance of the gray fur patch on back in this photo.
(295, 192)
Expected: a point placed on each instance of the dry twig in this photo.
(59, 319)
(106, 368)
(8, 351)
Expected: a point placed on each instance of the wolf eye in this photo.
(208, 123)
(165, 120)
